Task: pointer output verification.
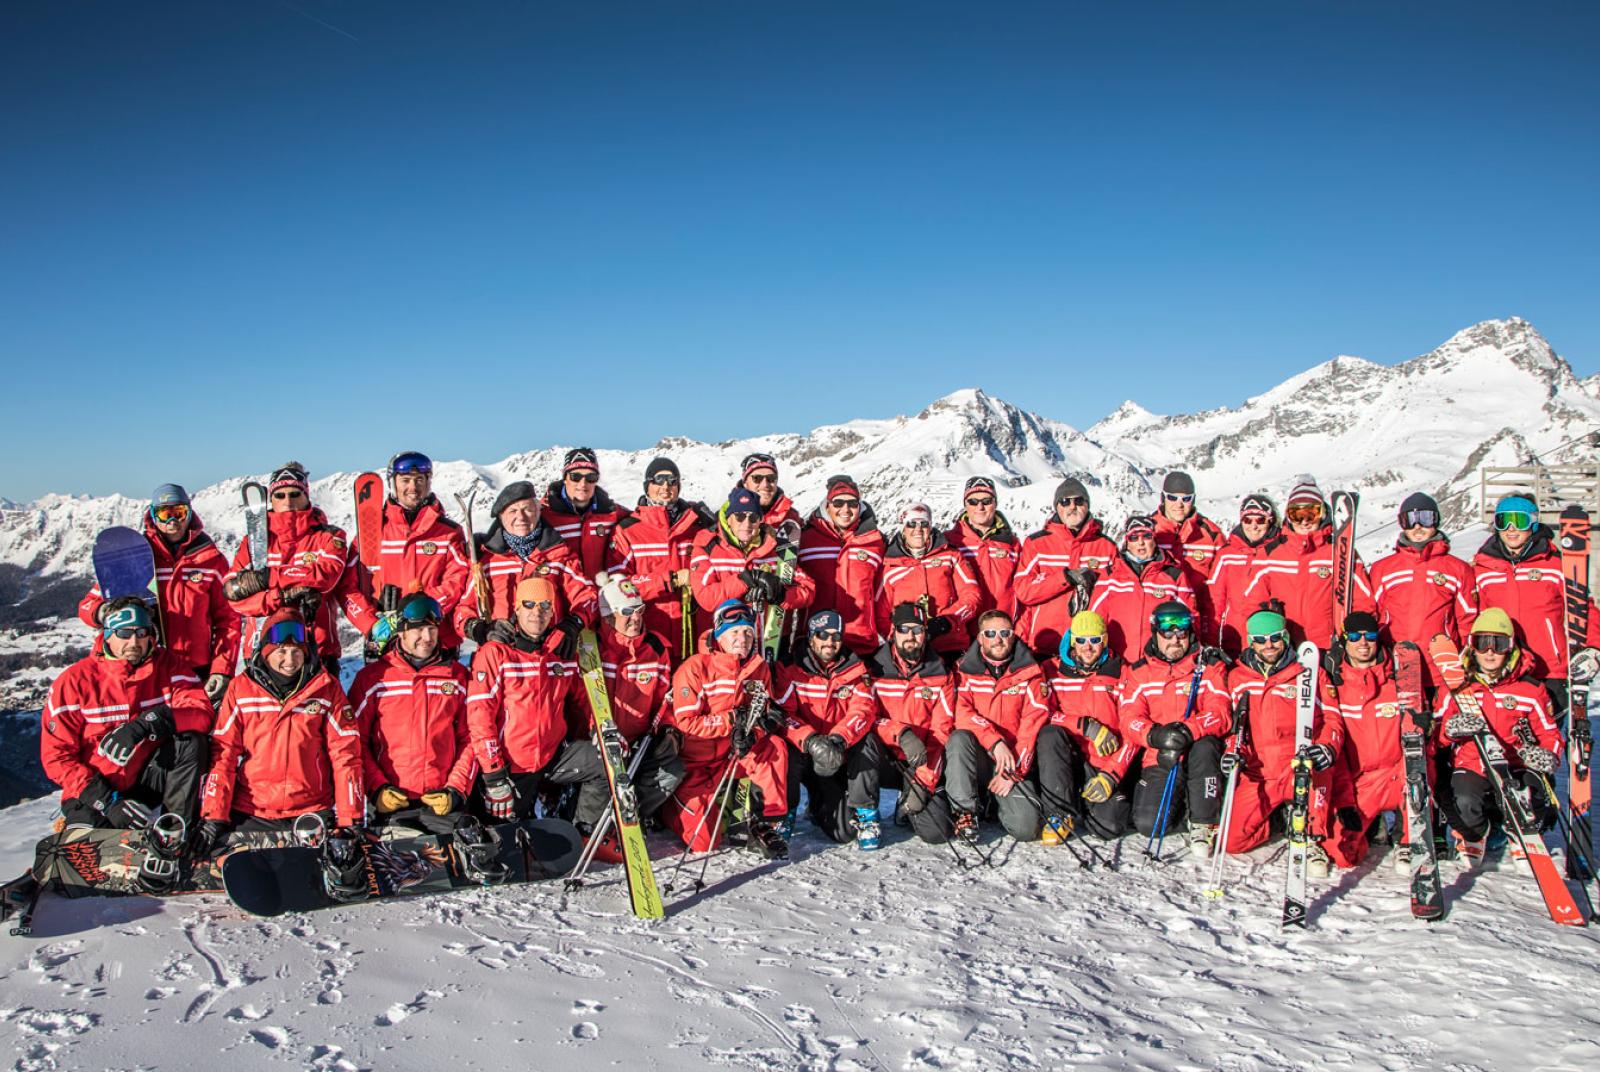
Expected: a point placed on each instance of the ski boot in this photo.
(966, 827)
(609, 850)
(1318, 865)
(766, 842)
(344, 868)
(478, 852)
(1057, 829)
(164, 840)
(868, 832)
(1202, 839)
(786, 826)
(1400, 858)
(1470, 852)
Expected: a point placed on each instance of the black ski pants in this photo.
(1197, 793)
(968, 770)
(871, 765)
(169, 779)
(1471, 805)
(576, 763)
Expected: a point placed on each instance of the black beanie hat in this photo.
(1417, 501)
(1360, 621)
(661, 465)
(513, 492)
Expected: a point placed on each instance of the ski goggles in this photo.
(285, 633)
(1520, 520)
(1172, 622)
(1369, 635)
(411, 461)
(420, 609)
(997, 634)
(1173, 497)
(1492, 642)
(1428, 519)
(739, 613)
(663, 480)
(1277, 637)
(1302, 512)
(170, 512)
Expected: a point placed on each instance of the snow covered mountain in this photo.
(1495, 393)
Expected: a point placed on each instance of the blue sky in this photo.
(329, 229)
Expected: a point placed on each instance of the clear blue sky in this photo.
(239, 232)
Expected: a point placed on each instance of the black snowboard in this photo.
(271, 882)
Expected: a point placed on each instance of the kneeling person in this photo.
(916, 696)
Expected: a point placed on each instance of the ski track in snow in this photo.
(837, 960)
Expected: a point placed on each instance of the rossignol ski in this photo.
(1305, 708)
(254, 496)
(1581, 667)
(1427, 896)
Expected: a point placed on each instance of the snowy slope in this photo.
(838, 961)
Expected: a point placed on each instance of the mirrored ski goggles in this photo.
(410, 462)
(1495, 642)
(997, 634)
(420, 609)
(1428, 519)
(1173, 623)
(1368, 635)
(1269, 638)
(170, 512)
(1520, 520)
(1304, 512)
(285, 633)
(663, 480)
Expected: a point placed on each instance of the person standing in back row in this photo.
(1194, 542)
(578, 508)
(1058, 568)
(988, 545)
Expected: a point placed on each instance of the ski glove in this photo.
(744, 739)
(1170, 740)
(389, 599)
(1100, 736)
(208, 835)
(304, 599)
(826, 752)
(1231, 761)
(215, 686)
(476, 630)
(499, 794)
(1321, 756)
(762, 585)
(388, 799)
(938, 626)
(913, 796)
(1098, 789)
(444, 802)
(125, 813)
(244, 584)
(1581, 734)
(1212, 656)
(911, 746)
(503, 630)
(1537, 759)
(1350, 818)
(1464, 724)
(569, 627)
(1584, 665)
(120, 744)
(773, 720)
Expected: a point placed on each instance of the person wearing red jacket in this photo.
(1296, 569)
(287, 743)
(920, 566)
(1058, 567)
(1002, 702)
(1518, 570)
(1083, 745)
(653, 546)
(741, 561)
(758, 474)
(1268, 673)
(305, 567)
(1175, 704)
(123, 732)
(519, 545)
(1194, 541)
(828, 695)
(1421, 589)
(916, 696)
(1516, 710)
(988, 545)
(842, 551)
(731, 727)
(1370, 774)
(422, 550)
(200, 627)
(411, 705)
(578, 508)
(516, 715)
(1140, 579)
(1234, 567)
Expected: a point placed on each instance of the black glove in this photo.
(744, 739)
(569, 627)
(244, 584)
(1321, 756)
(304, 599)
(503, 630)
(1581, 734)
(477, 629)
(1171, 740)
(1350, 818)
(916, 752)
(939, 625)
(773, 720)
(156, 725)
(389, 599)
(207, 836)
(1423, 719)
(117, 810)
(1231, 761)
(826, 752)
(762, 585)
(1210, 656)
(216, 686)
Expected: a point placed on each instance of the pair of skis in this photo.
(1581, 670)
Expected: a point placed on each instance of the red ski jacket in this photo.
(1125, 600)
(638, 676)
(1505, 704)
(1195, 545)
(940, 580)
(414, 723)
(847, 567)
(426, 553)
(504, 569)
(991, 558)
(1156, 692)
(1043, 594)
(706, 691)
(919, 698)
(97, 694)
(649, 547)
(1095, 692)
(782, 512)
(588, 533)
(1532, 591)
(1298, 570)
(1422, 592)
(1012, 705)
(303, 550)
(714, 573)
(197, 623)
(276, 759)
(837, 700)
(1370, 710)
(1231, 573)
(1272, 716)
(516, 702)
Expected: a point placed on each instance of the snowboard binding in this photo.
(344, 868)
(164, 841)
(478, 853)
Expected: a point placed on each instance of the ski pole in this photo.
(1219, 848)
(686, 607)
(1158, 832)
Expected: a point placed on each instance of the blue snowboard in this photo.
(124, 565)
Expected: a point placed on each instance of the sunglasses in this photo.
(825, 634)
(411, 463)
(1255, 517)
(919, 524)
(1073, 500)
(1369, 635)
(745, 515)
(1089, 641)
(1426, 518)
(980, 502)
(290, 494)
(1170, 497)
(1269, 638)
(911, 629)
(1520, 520)
(536, 604)
(845, 504)
(662, 480)
(629, 612)
(170, 512)
(997, 634)
(584, 476)
(762, 479)
(1140, 535)
(286, 633)
(1304, 512)
(129, 632)
(1491, 642)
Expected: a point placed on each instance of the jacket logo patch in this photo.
(686, 692)
(314, 707)
(1015, 690)
(644, 677)
(1286, 691)
(1387, 710)
(1506, 703)
(195, 576)
(347, 715)
(482, 676)
(1534, 575)
(428, 547)
(1323, 572)
(843, 692)
(998, 552)
(1437, 578)
(544, 568)
(859, 556)
(926, 694)
(307, 558)
(338, 543)
(449, 688)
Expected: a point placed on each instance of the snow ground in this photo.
(837, 960)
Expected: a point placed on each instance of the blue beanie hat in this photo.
(1510, 503)
(731, 614)
(743, 501)
(169, 495)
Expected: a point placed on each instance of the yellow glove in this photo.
(1098, 789)
(389, 799)
(1102, 737)
(443, 802)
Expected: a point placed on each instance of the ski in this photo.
(254, 497)
(1294, 892)
(1581, 667)
(1344, 554)
(480, 583)
(642, 889)
(1427, 896)
(125, 565)
(1232, 760)
(369, 520)
(770, 619)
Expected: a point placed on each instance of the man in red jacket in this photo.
(1296, 569)
(916, 696)
(1193, 541)
(579, 509)
(988, 544)
(1370, 775)
(202, 629)
(411, 705)
(920, 566)
(124, 730)
(1058, 568)
(1234, 568)
(758, 474)
(1421, 589)
(1140, 579)
(1002, 702)
(842, 550)
(653, 546)
(742, 561)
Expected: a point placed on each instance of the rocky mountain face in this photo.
(1494, 394)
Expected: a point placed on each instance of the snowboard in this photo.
(1427, 896)
(125, 565)
(272, 882)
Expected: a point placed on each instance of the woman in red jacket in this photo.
(842, 550)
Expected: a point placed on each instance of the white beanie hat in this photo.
(616, 594)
